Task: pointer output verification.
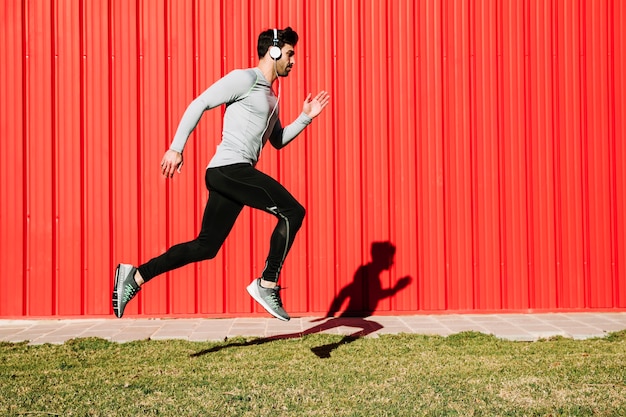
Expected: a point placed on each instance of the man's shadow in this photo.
(363, 294)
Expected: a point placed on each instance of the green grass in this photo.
(469, 374)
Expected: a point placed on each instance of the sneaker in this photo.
(269, 299)
(125, 288)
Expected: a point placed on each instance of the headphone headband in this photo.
(275, 51)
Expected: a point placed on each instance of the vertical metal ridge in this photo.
(53, 157)
(556, 133)
(612, 152)
(140, 162)
(167, 21)
(528, 156)
(196, 185)
(334, 281)
(501, 166)
(584, 155)
(25, 228)
(26, 148)
(110, 189)
(419, 291)
(362, 127)
(472, 134)
(81, 169)
(619, 59)
(389, 281)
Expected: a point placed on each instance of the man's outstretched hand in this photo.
(313, 107)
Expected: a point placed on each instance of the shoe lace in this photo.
(130, 292)
(275, 297)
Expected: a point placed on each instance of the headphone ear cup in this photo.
(275, 52)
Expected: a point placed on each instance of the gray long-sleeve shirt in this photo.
(250, 119)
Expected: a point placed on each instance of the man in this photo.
(250, 120)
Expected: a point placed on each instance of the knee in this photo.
(205, 250)
(210, 254)
(300, 212)
(297, 215)
(293, 215)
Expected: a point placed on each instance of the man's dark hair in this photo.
(266, 39)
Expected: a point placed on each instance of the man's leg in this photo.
(219, 217)
(253, 188)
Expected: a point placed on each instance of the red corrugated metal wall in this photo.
(485, 139)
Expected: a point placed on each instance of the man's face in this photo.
(286, 61)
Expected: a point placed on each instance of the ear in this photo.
(275, 52)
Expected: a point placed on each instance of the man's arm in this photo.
(229, 88)
(311, 108)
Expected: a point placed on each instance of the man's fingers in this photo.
(168, 170)
(169, 166)
(323, 98)
(321, 95)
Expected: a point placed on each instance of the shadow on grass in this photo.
(366, 327)
(362, 295)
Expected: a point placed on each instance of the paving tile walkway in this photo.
(518, 327)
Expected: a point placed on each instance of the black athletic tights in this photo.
(230, 188)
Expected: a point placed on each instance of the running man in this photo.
(250, 120)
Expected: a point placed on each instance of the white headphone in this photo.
(275, 51)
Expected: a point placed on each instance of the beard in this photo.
(285, 72)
